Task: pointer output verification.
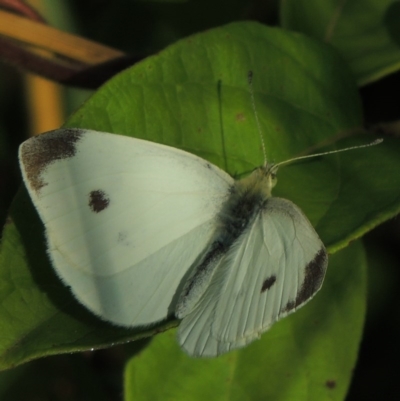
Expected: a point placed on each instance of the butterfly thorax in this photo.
(247, 198)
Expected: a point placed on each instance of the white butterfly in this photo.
(142, 231)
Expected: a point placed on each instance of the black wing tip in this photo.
(38, 152)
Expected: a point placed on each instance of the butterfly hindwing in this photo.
(274, 267)
(269, 275)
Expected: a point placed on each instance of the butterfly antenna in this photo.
(253, 103)
(221, 125)
(373, 143)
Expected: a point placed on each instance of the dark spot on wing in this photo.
(98, 200)
(314, 275)
(268, 283)
(123, 238)
(331, 384)
(39, 152)
(289, 306)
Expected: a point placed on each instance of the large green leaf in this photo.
(309, 356)
(305, 98)
(366, 32)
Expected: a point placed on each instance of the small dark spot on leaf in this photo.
(331, 384)
(268, 283)
(240, 117)
(98, 200)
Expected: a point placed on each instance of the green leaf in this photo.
(308, 356)
(305, 98)
(365, 31)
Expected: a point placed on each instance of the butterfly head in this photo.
(262, 179)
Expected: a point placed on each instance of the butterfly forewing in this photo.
(124, 218)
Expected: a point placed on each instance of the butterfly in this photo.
(141, 232)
